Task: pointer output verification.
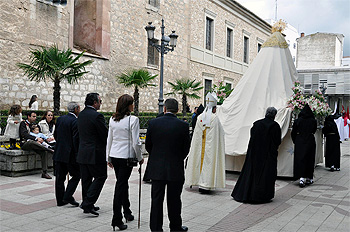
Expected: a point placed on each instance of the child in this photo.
(34, 130)
(12, 128)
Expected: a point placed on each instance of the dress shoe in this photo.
(96, 208)
(129, 217)
(204, 191)
(121, 227)
(92, 211)
(45, 175)
(337, 169)
(309, 182)
(182, 228)
(301, 184)
(62, 203)
(72, 202)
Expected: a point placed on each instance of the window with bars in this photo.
(229, 42)
(153, 54)
(209, 33)
(155, 3)
(246, 50)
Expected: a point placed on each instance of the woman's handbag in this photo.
(131, 161)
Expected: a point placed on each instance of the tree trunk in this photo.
(56, 96)
(136, 101)
(184, 104)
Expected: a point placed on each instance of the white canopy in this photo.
(267, 82)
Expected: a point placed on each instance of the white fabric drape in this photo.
(267, 82)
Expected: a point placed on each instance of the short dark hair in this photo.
(91, 98)
(33, 127)
(171, 105)
(271, 112)
(29, 113)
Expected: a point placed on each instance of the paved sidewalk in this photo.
(28, 204)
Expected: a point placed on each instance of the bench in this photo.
(20, 163)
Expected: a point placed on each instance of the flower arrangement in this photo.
(222, 91)
(317, 102)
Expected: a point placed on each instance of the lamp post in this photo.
(168, 43)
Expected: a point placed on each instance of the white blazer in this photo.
(118, 138)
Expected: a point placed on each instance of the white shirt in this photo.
(35, 106)
(118, 143)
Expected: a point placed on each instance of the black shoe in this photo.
(45, 175)
(309, 182)
(121, 227)
(301, 184)
(62, 203)
(96, 208)
(72, 202)
(332, 169)
(182, 228)
(204, 191)
(129, 217)
(92, 211)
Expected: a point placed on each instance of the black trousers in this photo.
(121, 191)
(93, 177)
(61, 171)
(174, 189)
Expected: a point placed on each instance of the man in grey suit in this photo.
(92, 152)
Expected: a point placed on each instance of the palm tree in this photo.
(187, 89)
(139, 78)
(51, 63)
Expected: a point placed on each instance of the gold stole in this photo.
(204, 137)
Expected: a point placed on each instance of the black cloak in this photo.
(303, 138)
(256, 183)
(331, 133)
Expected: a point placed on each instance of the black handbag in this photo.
(131, 161)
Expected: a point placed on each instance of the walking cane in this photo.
(138, 224)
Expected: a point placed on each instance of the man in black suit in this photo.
(32, 143)
(92, 152)
(66, 149)
(168, 143)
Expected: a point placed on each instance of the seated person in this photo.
(32, 143)
(34, 131)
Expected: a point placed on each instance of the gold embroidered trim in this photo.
(276, 40)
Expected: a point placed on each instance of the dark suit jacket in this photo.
(92, 137)
(24, 129)
(67, 139)
(168, 143)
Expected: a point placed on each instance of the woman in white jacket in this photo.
(47, 126)
(123, 142)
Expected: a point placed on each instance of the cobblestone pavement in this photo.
(28, 204)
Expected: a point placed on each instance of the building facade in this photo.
(319, 66)
(218, 40)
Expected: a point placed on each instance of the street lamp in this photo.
(168, 43)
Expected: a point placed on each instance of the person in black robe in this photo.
(304, 128)
(256, 183)
(331, 133)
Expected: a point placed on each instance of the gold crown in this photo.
(280, 25)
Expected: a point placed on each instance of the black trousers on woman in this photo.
(121, 191)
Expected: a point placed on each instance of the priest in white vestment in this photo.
(206, 159)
